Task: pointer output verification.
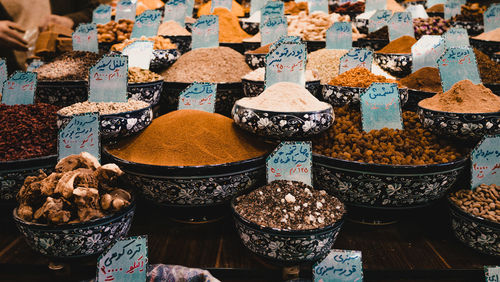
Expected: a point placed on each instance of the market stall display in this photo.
(395, 57)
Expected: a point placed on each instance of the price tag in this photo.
(228, 4)
(189, 8)
(146, 24)
(318, 6)
(339, 265)
(290, 161)
(456, 64)
(485, 162)
(426, 52)
(80, 134)
(34, 65)
(125, 10)
(431, 3)
(3, 73)
(285, 39)
(272, 29)
(198, 96)
(286, 63)
(175, 10)
(380, 107)
(379, 20)
(492, 17)
(101, 14)
(271, 9)
(256, 5)
(356, 57)
(456, 37)
(339, 36)
(19, 89)
(85, 38)
(372, 5)
(139, 53)
(400, 24)
(205, 32)
(492, 273)
(108, 79)
(452, 8)
(126, 260)
(417, 11)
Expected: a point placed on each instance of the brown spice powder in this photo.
(358, 77)
(425, 79)
(402, 45)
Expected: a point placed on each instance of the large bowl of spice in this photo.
(249, 27)
(176, 34)
(257, 58)
(422, 84)
(288, 221)
(375, 40)
(488, 47)
(395, 57)
(144, 85)
(76, 211)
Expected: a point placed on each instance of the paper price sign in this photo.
(372, 5)
(125, 10)
(456, 64)
(146, 24)
(452, 8)
(108, 79)
(290, 161)
(198, 96)
(492, 273)
(228, 4)
(286, 63)
(80, 134)
(139, 53)
(256, 5)
(417, 11)
(492, 17)
(400, 24)
(85, 38)
(356, 57)
(339, 265)
(3, 73)
(189, 8)
(380, 107)
(485, 162)
(379, 20)
(284, 39)
(426, 52)
(33, 66)
(272, 29)
(456, 37)
(175, 10)
(19, 89)
(318, 6)
(205, 32)
(272, 8)
(339, 36)
(101, 14)
(126, 260)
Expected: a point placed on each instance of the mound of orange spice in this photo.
(358, 77)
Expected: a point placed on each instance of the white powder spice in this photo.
(104, 108)
(259, 75)
(326, 62)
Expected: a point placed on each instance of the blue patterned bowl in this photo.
(415, 96)
(149, 92)
(283, 125)
(251, 28)
(162, 59)
(339, 96)
(398, 65)
(183, 42)
(252, 88)
(61, 92)
(473, 28)
(460, 125)
(255, 61)
(78, 239)
(372, 44)
(487, 47)
(290, 246)
(478, 233)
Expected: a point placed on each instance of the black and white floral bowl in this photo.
(339, 96)
(315, 45)
(183, 42)
(415, 96)
(78, 239)
(255, 61)
(13, 174)
(398, 65)
(251, 28)
(252, 88)
(289, 246)
(460, 125)
(149, 92)
(371, 44)
(162, 59)
(473, 28)
(361, 25)
(61, 92)
(487, 47)
(478, 233)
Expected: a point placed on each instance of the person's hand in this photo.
(11, 36)
(61, 20)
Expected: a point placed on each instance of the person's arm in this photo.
(11, 36)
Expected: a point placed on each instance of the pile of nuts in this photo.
(115, 31)
(312, 27)
(471, 13)
(483, 202)
(430, 26)
(104, 108)
(160, 43)
(138, 75)
(72, 65)
(350, 7)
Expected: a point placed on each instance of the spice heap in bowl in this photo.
(489, 71)
(470, 18)
(144, 85)
(424, 83)
(487, 42)
(177, 34)
(395, 57)
(326, 62)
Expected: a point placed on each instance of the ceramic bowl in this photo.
(238, 47)
(60, 92)
(460, 125)
(289, 246)
(339, 96)
(487, 47)
(283, 125)
(315, 45)
(148, 92)
(415, 96)
(253, 88)
(361, 25)
(183, 42)
(435, 14)
(162, 59)
(476, 232)
(398, 65)
(494, 87)
(372, 44)
(473, 28)
(78, 239)
(251, 28)
(255, 61)
(248, 46)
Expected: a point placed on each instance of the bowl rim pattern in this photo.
(289, 113)
(26, 163)
(483, 221)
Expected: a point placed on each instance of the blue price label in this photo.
(492, 273)
(126, 260)
(205, 32)
(101, 14)
(19, 88)
(380, 107)
(492, 17)
(125, 10)
(400, 24)
(379, 20)
(272, 29)
(198, 96)
(431, 3)
(34, 65)
(3, 72)
(456, 64)
(417, 11)
(272, 9)
(485, 162)
(339, 36)
(356, 57)
(285, 39)
(286, 63)
(139, 53)
(80, 134)
(452, 8)
(175, 10)
(318, 6)
(146, 24)
(456, 37)
(189, 8)
(372, 5)
(228, 4)
(426, 52)
(339, 265)
(290, 161)
(256, 5)
(108, 79)
(85, 38)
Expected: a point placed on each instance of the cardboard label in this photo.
(175, 10)
(452, 8)
(356, 57)
(146, 24)
(380, 107)
(286, 63)
(379, 20)
(426, 52)
(256, 5)
(271, 9)
(339, 36)
(125, 10)
(228, 4)
(101, 14)
(33, 66)
(417, 11)
(85, 38)
(485, 162)
(492, 273)
(198, 96)
(19, 88)
(372, 5)
(272, 29)
(3, 73)
(318, 6)
(456, 64)
(81, 134)
(189, 8)
(492, 17)
(108, 79)
(205, 32)
(400, 24)
(290, 161)
(126, 260)
(456, 37)
(339, 265)
(431, 3)
(285, 39)
(139, 53)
